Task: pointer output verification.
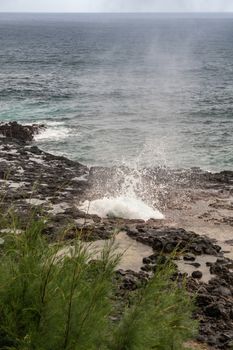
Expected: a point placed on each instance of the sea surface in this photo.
(145, 89)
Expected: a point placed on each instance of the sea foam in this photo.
(52, 133)
(121, 207)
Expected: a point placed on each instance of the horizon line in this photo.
(121, 12)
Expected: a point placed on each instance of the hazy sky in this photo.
(117, 5)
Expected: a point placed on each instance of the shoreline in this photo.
(198, 218)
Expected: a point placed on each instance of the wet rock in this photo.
(214, 310)
(214, 306)
(189, 257)
(35, 150)
(169, 247)
(147, 260)
(218, 269)
(131, 280)
(20, 132)
(148, 267)
(157, 244)
(203, 300)
(194, 264)
(197, 274)
(224, 291)
(169, 239)
(121, 272)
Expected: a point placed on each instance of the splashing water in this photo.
(55, 131)
(121, 207)
(124, 194)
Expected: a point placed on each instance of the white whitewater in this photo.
(55, 131)
(121, 207)
(131, 200)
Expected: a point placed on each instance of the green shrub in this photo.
(50, 301)
(160, 317)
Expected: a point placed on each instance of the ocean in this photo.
(145, 89)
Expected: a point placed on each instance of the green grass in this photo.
(54, 302)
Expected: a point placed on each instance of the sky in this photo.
(116, 5)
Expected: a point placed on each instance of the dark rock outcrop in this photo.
(215, 305)
(23, 133)
(167, 239)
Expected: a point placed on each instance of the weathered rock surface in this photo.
(215, 305)
(214, 299)
(167, 239)
(31, 178)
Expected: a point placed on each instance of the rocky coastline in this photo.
(198, 222)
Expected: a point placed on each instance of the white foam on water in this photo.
(44, 122)
(121, 207)
(54, 133)
(52, 123)
(81, 178)
(55, 130)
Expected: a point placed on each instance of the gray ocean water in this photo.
(151, 89)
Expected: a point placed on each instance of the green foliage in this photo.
(55, 301)
(160, 317)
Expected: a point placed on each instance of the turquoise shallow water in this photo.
(151, 89)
